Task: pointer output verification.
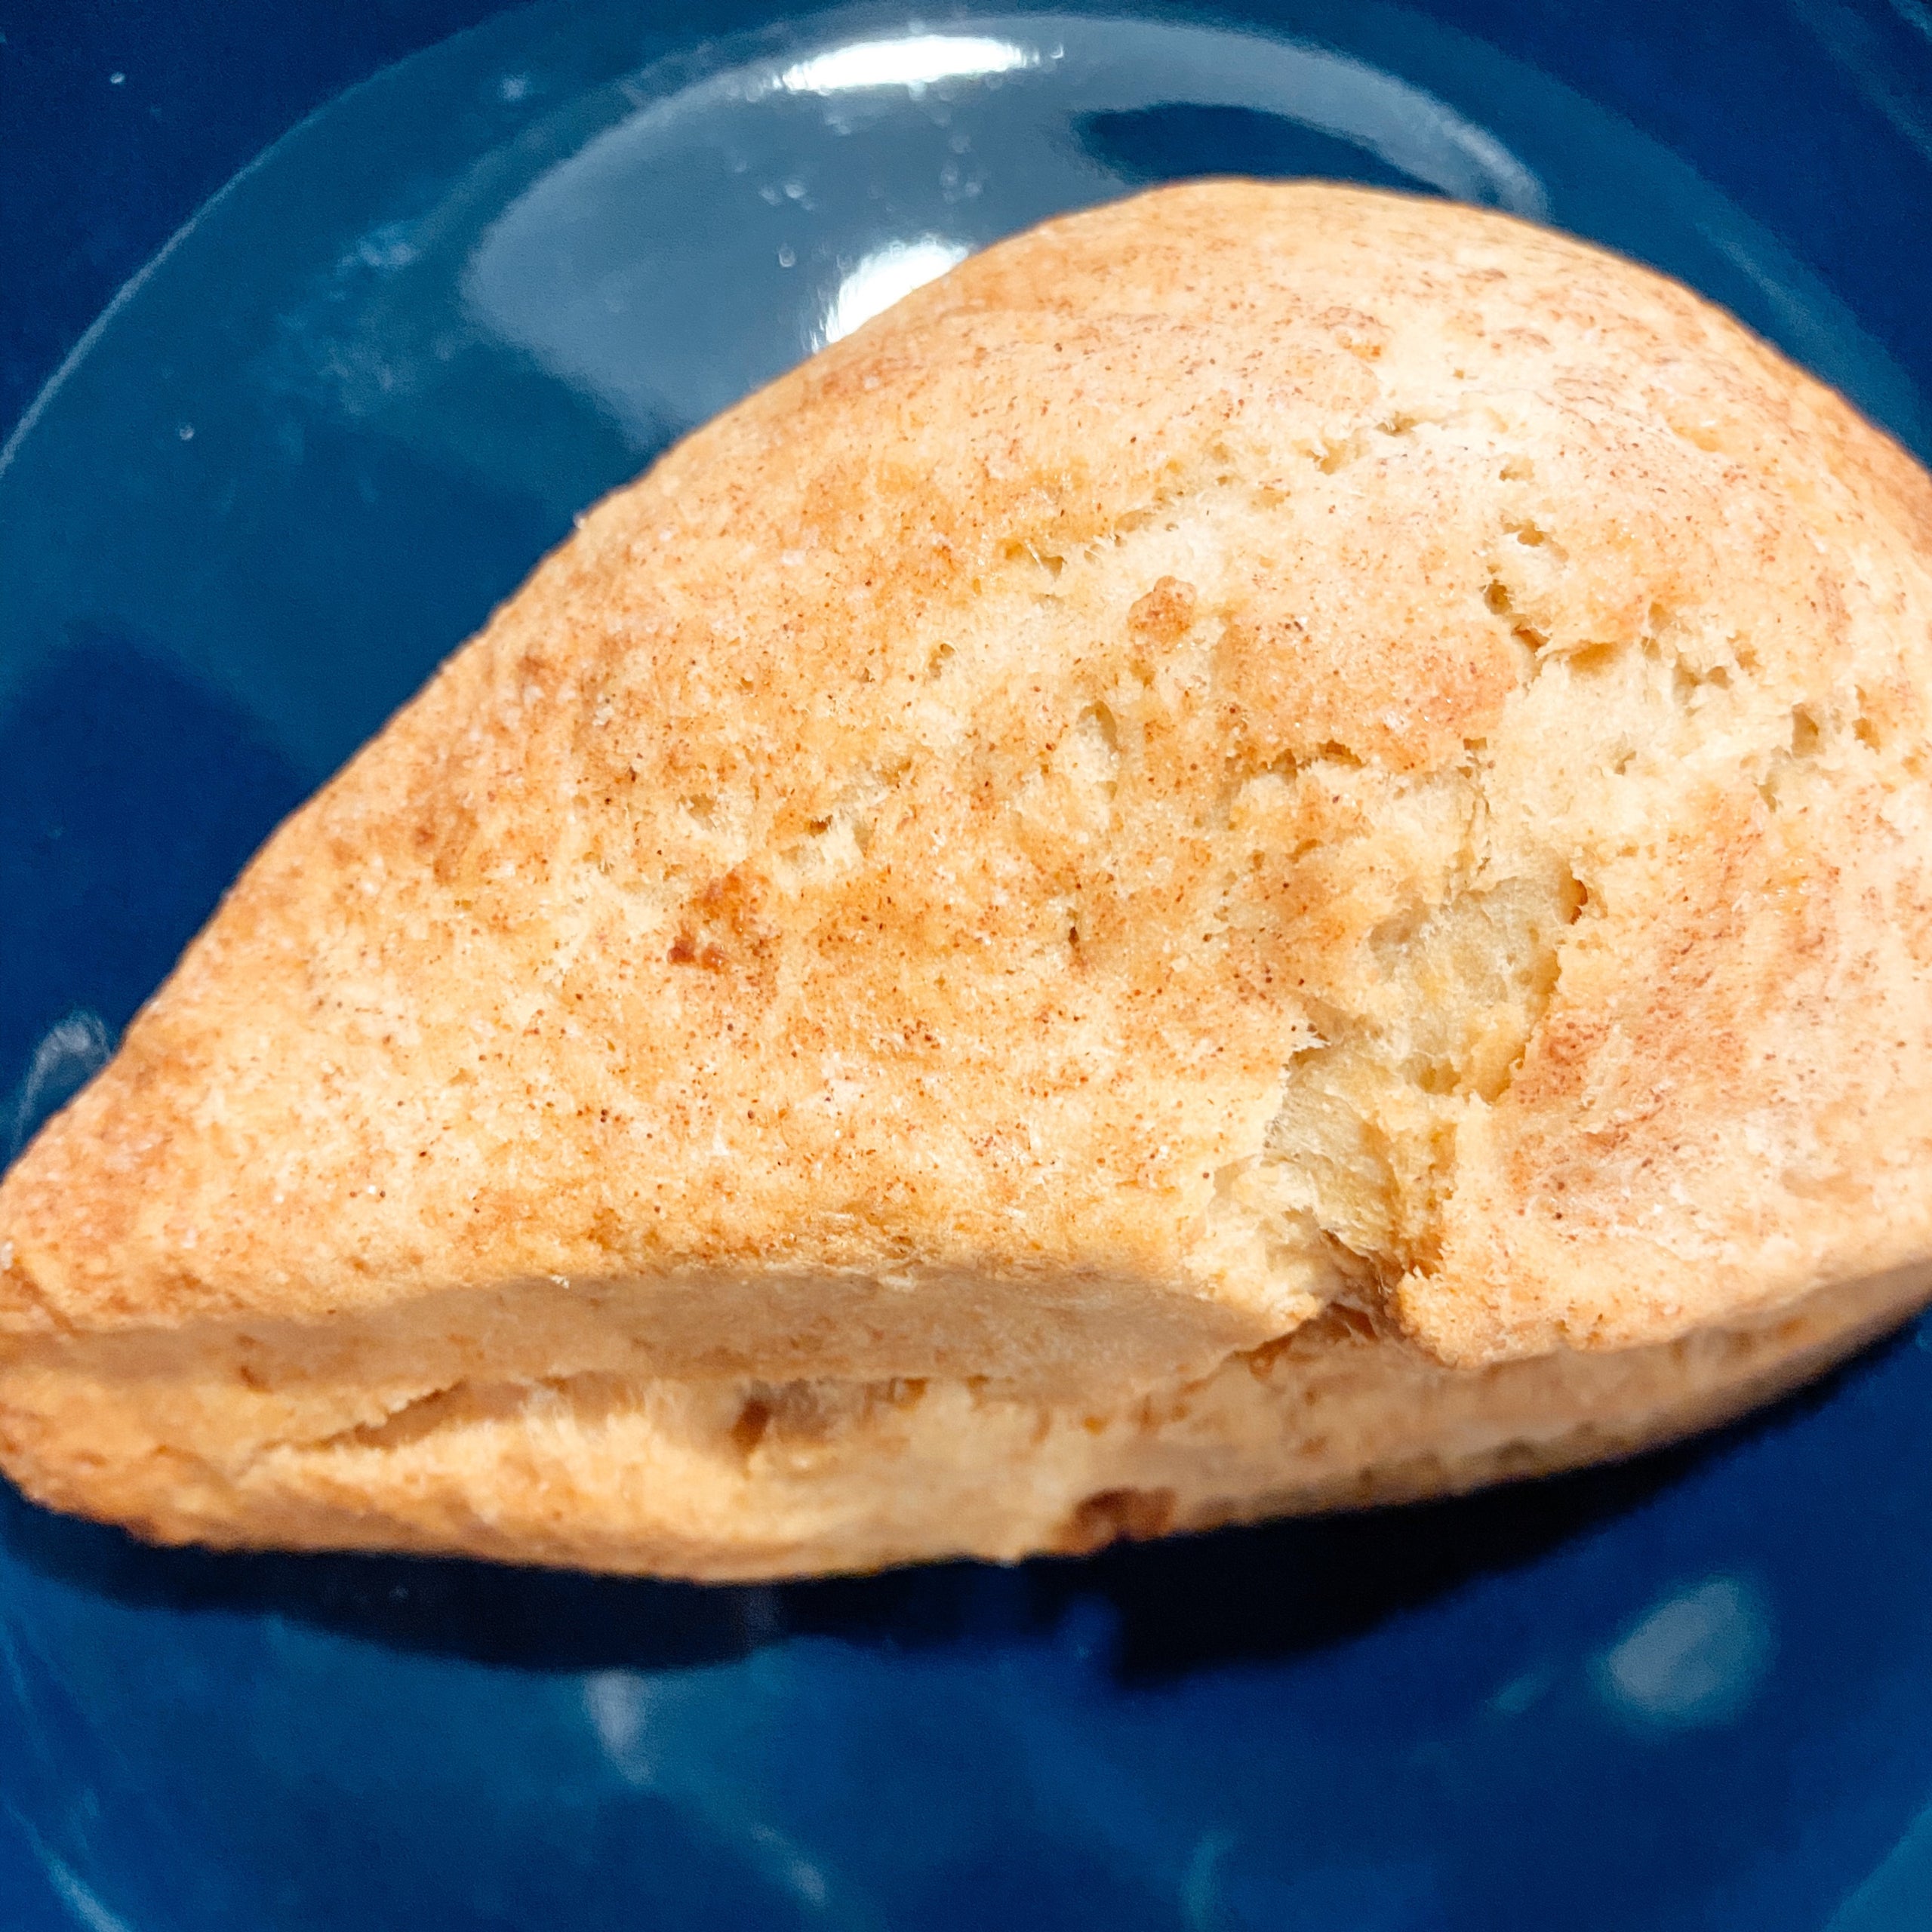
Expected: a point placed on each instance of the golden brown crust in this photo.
(1265, 743)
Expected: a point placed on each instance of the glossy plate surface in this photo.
(293, 466)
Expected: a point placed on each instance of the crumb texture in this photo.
(1265, 756)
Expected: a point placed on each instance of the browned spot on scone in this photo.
(1112, 1515)
(1164, 613)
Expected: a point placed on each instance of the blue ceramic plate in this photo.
(292, 466)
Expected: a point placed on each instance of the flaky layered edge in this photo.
(724, 1479)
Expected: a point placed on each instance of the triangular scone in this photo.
(1262, 749)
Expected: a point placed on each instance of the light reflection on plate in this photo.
(852, 164)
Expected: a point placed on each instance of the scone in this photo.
(1270, 849)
